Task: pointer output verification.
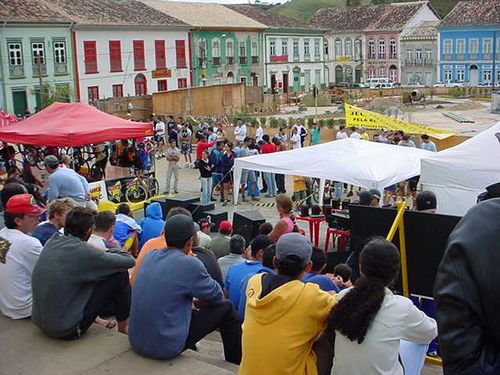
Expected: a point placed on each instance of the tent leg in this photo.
(236, 183)
(321, 194)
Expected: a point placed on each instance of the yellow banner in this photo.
(344, 58)
(355, 116)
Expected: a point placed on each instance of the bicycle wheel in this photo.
(136, 193)
(153, 187)
(96, 173)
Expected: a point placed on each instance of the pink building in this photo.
(382, 55)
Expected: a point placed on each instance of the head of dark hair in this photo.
(11, 189)
(79, 221)
(406, 137)
(178, 211)
(426, 200)
(237, 244)
(343, 270)
(269, 254)
(265, 137)
(379, 266)
(10, 219)
(265, 228)
(259, 243)
(424, 136)
(341, 127)
(247, 139)
(353, 128)
(318, 259)
(292, 266)
(104, 220)
(123, 208)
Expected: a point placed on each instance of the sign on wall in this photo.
(98, 191)
(162, 73)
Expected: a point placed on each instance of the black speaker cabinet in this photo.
(315, 211)
(246, 223)
(336, 204)
(327, 201)
(197, 209)
(304, 210)
(179, 201)
(215, 217)
(335, 257)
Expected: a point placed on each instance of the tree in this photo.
(378, 2)
(352, 3)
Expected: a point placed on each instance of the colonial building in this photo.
(35, 42)
(364, 42)
(419, 54)
(293, 51)
(225, 46)
(125, 48)
(469, 42)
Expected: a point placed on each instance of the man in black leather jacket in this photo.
(467, 293)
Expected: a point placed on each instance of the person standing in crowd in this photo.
(65, 182)
(162, 321)
(284, 316)
(216, 162)
(370, 321)
(151, 225)
(315, 134)
(102, 234)
(285, 225)
(227, 163)
(205, 168)
(19, 252)
(173, 156)
(237, 272)
(302, 131)
(240, 131)
(364, 134)
(203, 145)
(427, 144)
(259, 131)
(186, 141)
(341, 134)
(220, 242)
(398, 136)
(466, 290)
(406, 141)
(283, 137)
(57, 212)
(269, 148)
(295, 138)
(279, 177)
(159, 137)
(171, 128)
(237, 245)
(318, 259)
(247, 177)
(88, 281)
(354, 133)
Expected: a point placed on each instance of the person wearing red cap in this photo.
(220, 243)
(19, 253)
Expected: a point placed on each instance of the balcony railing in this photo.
(216, 61)
(43, 70)
(418, 62)
(61, 68)
(393, 56)
(230, 60)
(255, 59)
(447, 56)
(381, 56)
(460, 56)
(16, 71)
(243, 60)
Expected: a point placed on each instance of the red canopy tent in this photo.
(73, 124)
(7, 119)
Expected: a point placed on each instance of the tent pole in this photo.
(321, 194)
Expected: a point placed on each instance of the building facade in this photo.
(34, 48)
(382, 55)
(419, 54)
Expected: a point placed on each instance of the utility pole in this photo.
(40, 82)
(494, 72)
(315, 94)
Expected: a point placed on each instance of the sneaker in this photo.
(225, 203)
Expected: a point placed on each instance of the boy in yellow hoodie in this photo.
(284, 316)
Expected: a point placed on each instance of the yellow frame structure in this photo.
(400, 224)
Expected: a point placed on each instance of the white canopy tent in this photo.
(352, 161)
(459, 174)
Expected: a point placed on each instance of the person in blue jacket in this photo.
(152, 225)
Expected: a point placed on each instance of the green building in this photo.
(33, 45)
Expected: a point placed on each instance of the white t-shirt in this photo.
(205, 239)
(160, 128)
(18, 256)
(296, 138)
(240, 132)
(342, 135)
(97, 242)
(398, 319)
(259, 134)
(355, 135)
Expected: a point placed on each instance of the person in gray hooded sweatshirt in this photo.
(73, 282)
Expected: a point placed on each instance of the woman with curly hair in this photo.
(369, 320)
(286, 224)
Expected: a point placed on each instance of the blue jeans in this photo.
(206, 189)
(271, 184)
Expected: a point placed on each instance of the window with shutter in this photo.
(115, 56)
(90, 56)
(161, 59)
(180, 53)
(139, 61)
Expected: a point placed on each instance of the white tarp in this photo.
(459, 174)
(352, 161)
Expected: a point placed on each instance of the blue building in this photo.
(469, 43)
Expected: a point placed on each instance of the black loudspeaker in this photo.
(315, 211)
(327, 201)
(345, 204)
(215, 217)
(336, 204)
(180, 201)
(335, 257)
(197, 209)
(246, 223)
(304, 210)
(327, 210)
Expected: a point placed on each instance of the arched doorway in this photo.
(348, 74)
(393, 74)
(141, 87)
(473, 75)
(357, 74)
(230, 77)
(339, 74)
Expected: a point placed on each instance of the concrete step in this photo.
(25, 350)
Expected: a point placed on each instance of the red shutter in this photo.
(139, 62)
(181, 83)
(180, 53)
(117, 91)
(160, 54)
(162, 85)
(115, 56)
(90, 56)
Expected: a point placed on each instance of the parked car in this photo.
(413, 85)
(373, 82)
(384, 85)
(358, 86)
(449, 83)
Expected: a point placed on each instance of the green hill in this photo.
(304, 9)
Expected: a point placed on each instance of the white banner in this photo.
(98, 191)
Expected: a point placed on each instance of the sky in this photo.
(233, 1)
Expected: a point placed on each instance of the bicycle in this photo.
(141, 188)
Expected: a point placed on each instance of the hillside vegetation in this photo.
(304, 9)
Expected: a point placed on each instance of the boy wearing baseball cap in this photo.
(19, 253)
(283, 315)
